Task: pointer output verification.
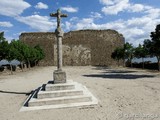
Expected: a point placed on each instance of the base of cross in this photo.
(59, 76)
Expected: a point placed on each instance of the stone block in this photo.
(60, 100)
(54, 94)
(57, 87)
(59, 77)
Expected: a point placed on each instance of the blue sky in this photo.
(135, 19)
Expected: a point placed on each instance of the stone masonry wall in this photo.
(83, 47)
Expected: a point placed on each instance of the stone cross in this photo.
(58, 15)
(59, 76)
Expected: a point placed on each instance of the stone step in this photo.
(60, 93)
(54, 87)
(59, 100)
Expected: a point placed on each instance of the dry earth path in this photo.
(123, 94)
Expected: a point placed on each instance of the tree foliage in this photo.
(40, 53)
(129, 52)
(17, 50)
(153, 45)
(141, 52)
(3, 47)
(118, 54)
(125, 52)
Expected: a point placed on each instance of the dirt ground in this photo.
(123, 94)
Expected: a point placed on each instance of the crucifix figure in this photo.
(59, 76)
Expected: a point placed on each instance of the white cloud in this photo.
(153, 12)
(74, 19)
(83, 24)
(95, 15)
(113, 7)
(40, 23)
(13, 7)
(6, 24)
(132, 32)
(108, 2)
(41, 5)
(137, 7)
(116, 6)
(135, 29)
(69, 9)
(67, 25)
(88, 23)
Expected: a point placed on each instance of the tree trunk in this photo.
(29, 65)
(21, 66)
(158, 63)
(131, 63)
(38, 63)
(34, 63)
(118, 63)
(142, 63)
(124, 63)
(11, 68)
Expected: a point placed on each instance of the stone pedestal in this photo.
(63, 95)
(59, 76)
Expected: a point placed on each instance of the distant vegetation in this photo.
(17, 50)
(150, 47)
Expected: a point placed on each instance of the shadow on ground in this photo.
(110, 73)
(119, 76)
(11, 92)
(109, 70)
(26, 93)
(119, 71)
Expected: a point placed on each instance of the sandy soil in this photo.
(123, 94)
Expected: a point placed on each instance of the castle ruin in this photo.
(80, 48)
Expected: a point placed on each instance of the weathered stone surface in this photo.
(59, 77)
(83, 47)
(74, 55)
(57, 87)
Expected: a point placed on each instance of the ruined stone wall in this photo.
(84, 47)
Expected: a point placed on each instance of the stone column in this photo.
(59, 51)
(59, 75)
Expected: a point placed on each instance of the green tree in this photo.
(141, 52)
(118, 54)
(40, 53)
(27, 54)
(154, 44)
(129, 52)
(3, 47)
(32, 55)
(19, 48)
(2, 36)
(13, 53)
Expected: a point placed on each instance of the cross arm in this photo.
(64, 15)
(53, 14)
